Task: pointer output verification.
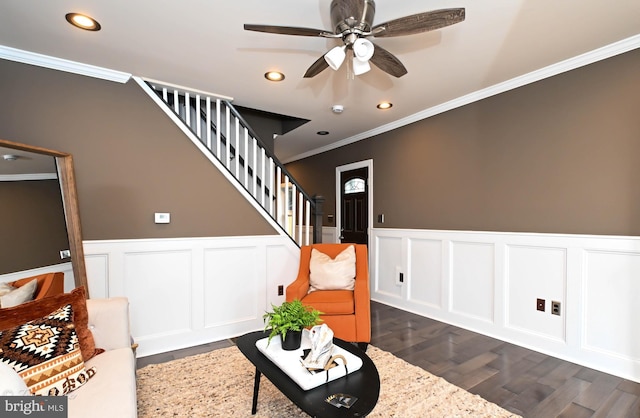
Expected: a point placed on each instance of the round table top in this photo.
(364, 383)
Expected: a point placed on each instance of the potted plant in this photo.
(288, 320)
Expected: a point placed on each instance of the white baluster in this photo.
(255, 168)
(165, 96)
(278, 196)
(176, 102)
(246, 160)
(187, 108)
(292, 233)
(286, 204)
(262, 178)
(228, 135)
(218, 128)
(209, 122)
(272, 189)
(300, 213)
(307, 221)
(198, 118)
(237, 142)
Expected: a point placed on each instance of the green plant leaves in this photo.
(290, 316)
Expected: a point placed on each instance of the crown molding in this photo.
(596, 55)
(26, 57)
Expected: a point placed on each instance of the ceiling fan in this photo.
(353, 22)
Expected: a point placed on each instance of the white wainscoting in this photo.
(185, 292)
(489, 282)
(328, 234)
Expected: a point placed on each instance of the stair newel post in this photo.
(317, 218)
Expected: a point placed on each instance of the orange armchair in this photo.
(346, 312)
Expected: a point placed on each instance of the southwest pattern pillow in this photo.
(46, 353)
(18, 315)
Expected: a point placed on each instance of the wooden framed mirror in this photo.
(66, 178)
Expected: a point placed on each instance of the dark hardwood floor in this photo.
(522, 381)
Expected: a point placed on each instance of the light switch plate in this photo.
(162, 217)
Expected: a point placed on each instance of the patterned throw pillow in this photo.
(46, 354)
(18, 315)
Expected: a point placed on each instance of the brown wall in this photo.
(33, 229)
(560, 156)
(130, 159)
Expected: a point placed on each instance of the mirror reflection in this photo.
(34, 234)
(40, 240)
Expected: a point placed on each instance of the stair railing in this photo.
(229, 138)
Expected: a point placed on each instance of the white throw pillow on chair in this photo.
(332, 274)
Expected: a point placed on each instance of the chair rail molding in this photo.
(489, 282)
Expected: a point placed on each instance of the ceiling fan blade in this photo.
(418, 23)
(387, 62)
(317, 67)
(289, 30)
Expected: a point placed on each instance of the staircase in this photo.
(219, 130)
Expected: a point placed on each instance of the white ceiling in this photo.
(201, 44)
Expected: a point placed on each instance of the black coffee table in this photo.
(363, 384)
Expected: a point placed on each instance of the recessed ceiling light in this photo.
(384, 105)
(274, 76)
(83, 21)
(323, 132)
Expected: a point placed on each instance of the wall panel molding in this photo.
(189, 291)
(595, 278)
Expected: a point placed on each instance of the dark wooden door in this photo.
(354, 195)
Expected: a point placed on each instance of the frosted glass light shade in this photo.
(335, 57)
(363, 49)
(360, 67)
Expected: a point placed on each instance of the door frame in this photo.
(338, 216)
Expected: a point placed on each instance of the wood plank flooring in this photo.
(522, 381)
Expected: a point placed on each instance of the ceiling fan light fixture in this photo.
(335, 57)
(363, 49)
(360, 67)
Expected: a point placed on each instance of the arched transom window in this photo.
(355, 185)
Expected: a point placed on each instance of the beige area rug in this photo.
(220, 384)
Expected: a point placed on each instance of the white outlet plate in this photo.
(398, 271)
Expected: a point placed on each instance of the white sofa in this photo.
(112, 391)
